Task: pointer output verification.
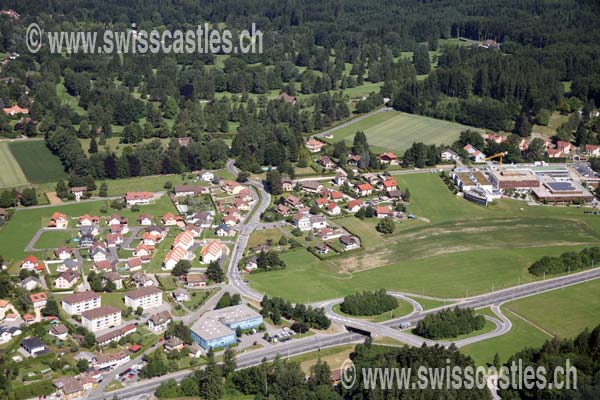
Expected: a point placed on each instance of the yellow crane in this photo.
(497, 155)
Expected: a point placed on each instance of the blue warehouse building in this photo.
(216, 329)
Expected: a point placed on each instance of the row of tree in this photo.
(566, 262)
(277, 308)
(449, 323)
(368, 303)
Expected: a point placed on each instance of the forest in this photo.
(315, 50)
(449, 323)
(368, 303)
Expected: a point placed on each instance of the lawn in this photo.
(12, 174)
(262, 235)
(574, 308)
(117, 147)
(15, 235)
(453, 249)
(397, 131)
(53, 239)
(521, 335)
(37, 161)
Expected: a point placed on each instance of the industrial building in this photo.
(216, 329)
(513, 179)
(553, 191)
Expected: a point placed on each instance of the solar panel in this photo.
(561, 186)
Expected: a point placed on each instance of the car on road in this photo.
(405, 325)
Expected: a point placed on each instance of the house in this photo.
(286, 98)
(170, 220)
(317, 221)
(29, 319)
(325, 162)
(211, 252)
(115, 278)
(232, 187)
(60, 331)
(339, 179)
(354, 205)
(151, 239)
(322, 249)
(104, 361)
(354, 160)
(188, 190)
(554, 153)
(287, 184)
(30, 283)
(88, 220)
(394, 194)
(312, 187)
(194, 281)
(101, 318)
(10, 13)
(145, 297)
(321, 202)
(79, 302)
(15, 110)
(302, 221)
(69, 388)
(314, 145)
(449, 155)
(282, 210)
(564, 147)
(58, 221)
(66, 280)
(475, 155)
(31, 263)
(250, 264)
(139, 279)
(98, 252)
(138, 198)
(333, 209)
(133, 264)
(159, 321)
(104, 266)
(193, 230)
(117, 220)
(68, 265)
(174, 255)
(114, 239)
(493, 137)
(592, 150)
(206, 176)
(79, 191)
(388, 158)
(364, 189)
(173, 344)
(33, 346)
(38, 300)
(185, 240)
(489, 44)
(349, 242)
(116, 334)
(2, 213)
(384, 211)
(142, 251)
(184, 141)
(390, 185)
(145, 220)
(336, 195)
(222, 230)
(230, 220)
(63, 253)
(180, 295)
(203, 219)
(293, 201)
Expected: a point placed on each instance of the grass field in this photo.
(12, 174)
(37, 162)
(397, 131)
(574, 308)
(453, 249)
(55, 239)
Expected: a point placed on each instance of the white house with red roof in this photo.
(143, 251)
(15, 110)
(592, 150)
(211, 252)
(59, 221)
(314, 145)
(384, 211)
(88, 220)
(354, 205)
(390, 185)
(564, 147)
(31, 263)
(333, 209)
(388, 158)
(364, 189)
(138, 198)
(169, 219)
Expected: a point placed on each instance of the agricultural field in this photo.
(37, 162)
(12, 174)
(396, 131)
(453, 249)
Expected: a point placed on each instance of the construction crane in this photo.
(497, 155)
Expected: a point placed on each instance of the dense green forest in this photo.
(368, 303)
(449, 323)
(313, 49)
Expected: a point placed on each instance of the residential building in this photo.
(349, 242)
(333, 209)
(33, 346)
(159, 321)
(31, 263)
(80, 302)
(312, 186)
(223, 230)
(449, 155)
(66, 280)
(138, 198)
(115, 335)
(384, 211)
(195, 280)
(388, 158)
(144, 220)
(145, 297)
(38, 300)
(133, 264)
(60, 331)
(101, 318)
(62, 253)
(206, 176)
(314, 145)
(354, 205)
(302, 221)
(104, 361)
(59, 221)
(188, 190)
(113, 277)
(364, 189)
(79, 191)
(30, 283)
(211, 252)
(390, 185)
(180, 295)
(170, 220)
(139, 279)
(174, 255)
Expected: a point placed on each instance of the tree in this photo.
(421, 60)
(93, 146)
(209, 381)
(103, 191)
(214, 273)
(386, 226)
(51, 308)
(229, 362)
(181, 268)
(274, 184)
(139, 311)
(62, 190)
(83, 365)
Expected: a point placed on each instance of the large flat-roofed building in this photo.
(78, 303)
(101, 318)
(514, 179)
(554, 191)
(469, 179)
(216, 329)
(145, 297)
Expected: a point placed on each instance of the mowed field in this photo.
(453, 249)
(37, 162)
(11, 173)
(397, 131)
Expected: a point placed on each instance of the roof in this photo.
(100, 312)
(195, 278)
(31, 259)
(388, 155)
(32, 342)
(160, 317)
(365, 186)
(69, 276)
(138, 195)
(214, 248)
(390, 183)
(58, 215)
(35, 297)
(80, 297)
(143, 292)
(286, 98)
(59, 329)
(355, 202)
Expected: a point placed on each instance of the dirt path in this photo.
(53, 199)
